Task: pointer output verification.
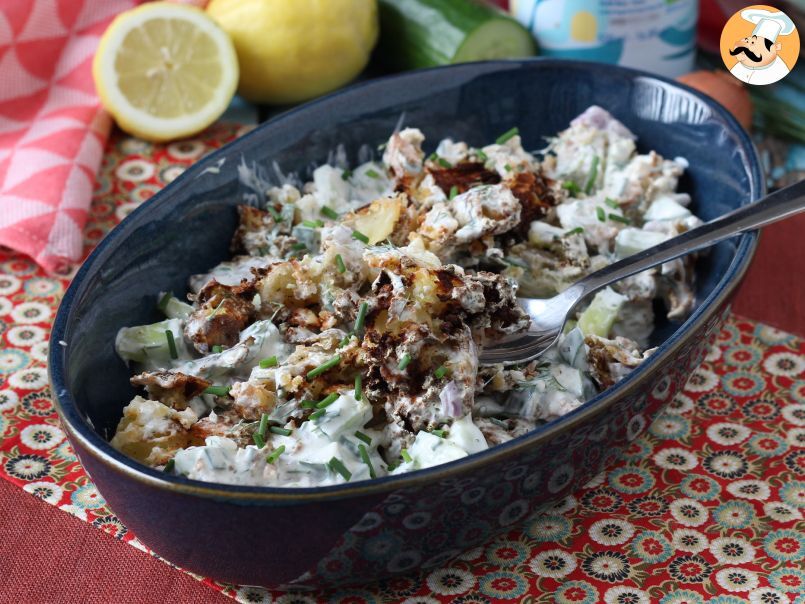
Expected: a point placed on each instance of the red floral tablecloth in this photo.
(706, 505)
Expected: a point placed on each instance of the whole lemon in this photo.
(293, 50)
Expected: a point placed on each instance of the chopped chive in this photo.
(443, 162)
(339, 263)
(440, 372)
(481, 155)
(275, 214)
(515, 262)
(307, 404)
(269, 362)
(372, 173)
(317, 414)
(217, 349)
(298, 246)
(593, 175)
(361, 317)
(571, 187)
(499, 422)
(453, 192)
(169, 466)
(612, 203)
(346, 174)
(439, 433)
(599, 211)
(365, 459)
(507, 135)
(404, 361)
(365, 438)
(360, 236)
(575, 231)
(217, 390)
(433, 156)
(336, 465)
(313, 224)
(261, 428)
(329, 213)
(280, 431)
(507, 167)
(163, 301)
(358, 393)
(275, 454)
(327, 365)
(382, 146)
(345, 340)
(391, 466)
(619, 218)
(327, 400)
(171, 344)
(259, 440)
(405, 455)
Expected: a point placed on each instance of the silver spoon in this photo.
(548, 316)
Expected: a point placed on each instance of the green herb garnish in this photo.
(327, 365)
(481, 155)
(405, 455)
(327, 400)
(361, 317)
(346, 174)
(619, 218)
(298, 246)
(339, 264)
(365, 459)
(308, 404)
(269, 362)
(593, 175)
(599, 212)
(358, 393)
(361, 436)
(275, 214)
(258, 440)
(575, 231)
(329, 213)
(443, 162)
(507, 167)
(275, 454)
(313, 224)
(217, 390)
(404, 361)
(507, 135)
(453, 192)
(317, 414)
(372, 173)
(439, 433)
(571, 187)
(433, 156)
(345, 340)
(217, 349)
(440, 372)
(360, 236)
(612, 203)
(280, 431)
(261, 428)
(171, 344)
(169, 466)
(336, 465)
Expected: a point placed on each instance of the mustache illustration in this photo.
(742, 49)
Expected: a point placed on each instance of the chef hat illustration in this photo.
(769, 24)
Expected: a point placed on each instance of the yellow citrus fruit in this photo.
(165, 71)
(293, 50)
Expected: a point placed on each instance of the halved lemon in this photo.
(165, 71)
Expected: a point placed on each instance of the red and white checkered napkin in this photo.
(52, 128)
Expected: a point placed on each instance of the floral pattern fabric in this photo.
(705, 507)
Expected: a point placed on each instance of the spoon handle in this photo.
(776, 206)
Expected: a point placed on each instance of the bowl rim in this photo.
(81, 432)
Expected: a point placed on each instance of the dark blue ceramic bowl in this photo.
(355, 533)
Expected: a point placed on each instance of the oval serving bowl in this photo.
(354, 533)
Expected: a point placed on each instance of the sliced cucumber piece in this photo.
(601, 314)
(425, 33)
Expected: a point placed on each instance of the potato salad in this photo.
(340, 342)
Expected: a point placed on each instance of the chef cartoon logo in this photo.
(760, 45)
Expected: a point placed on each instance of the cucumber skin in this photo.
(426, 33)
